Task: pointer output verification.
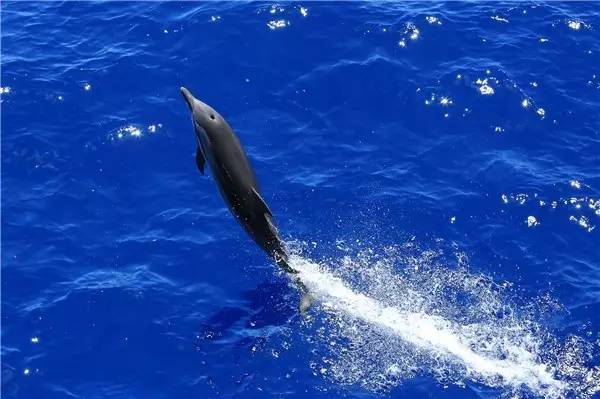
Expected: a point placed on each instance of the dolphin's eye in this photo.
(212, 117)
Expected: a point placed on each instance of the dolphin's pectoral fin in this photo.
(200, 161)
(261, 202)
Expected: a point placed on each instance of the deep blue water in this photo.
(444, 152)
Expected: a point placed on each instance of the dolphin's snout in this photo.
(189, 98)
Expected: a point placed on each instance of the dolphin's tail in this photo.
(281, 259)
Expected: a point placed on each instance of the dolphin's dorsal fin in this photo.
(200, 161)
(261, 201)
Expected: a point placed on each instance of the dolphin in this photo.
(219, 146)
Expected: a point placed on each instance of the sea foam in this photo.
(383, 327)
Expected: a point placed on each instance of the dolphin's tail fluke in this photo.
(281, 259)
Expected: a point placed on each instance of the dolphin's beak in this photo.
(189, 98)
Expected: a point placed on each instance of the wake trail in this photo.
(496, 359)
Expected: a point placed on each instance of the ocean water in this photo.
(433, 167)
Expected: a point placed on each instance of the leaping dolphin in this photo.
(218, 145)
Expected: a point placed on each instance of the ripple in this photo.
(132, 278)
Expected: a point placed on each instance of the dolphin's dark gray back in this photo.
(220, 147)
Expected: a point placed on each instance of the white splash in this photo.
(394, 328)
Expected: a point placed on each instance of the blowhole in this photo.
(212, 116)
